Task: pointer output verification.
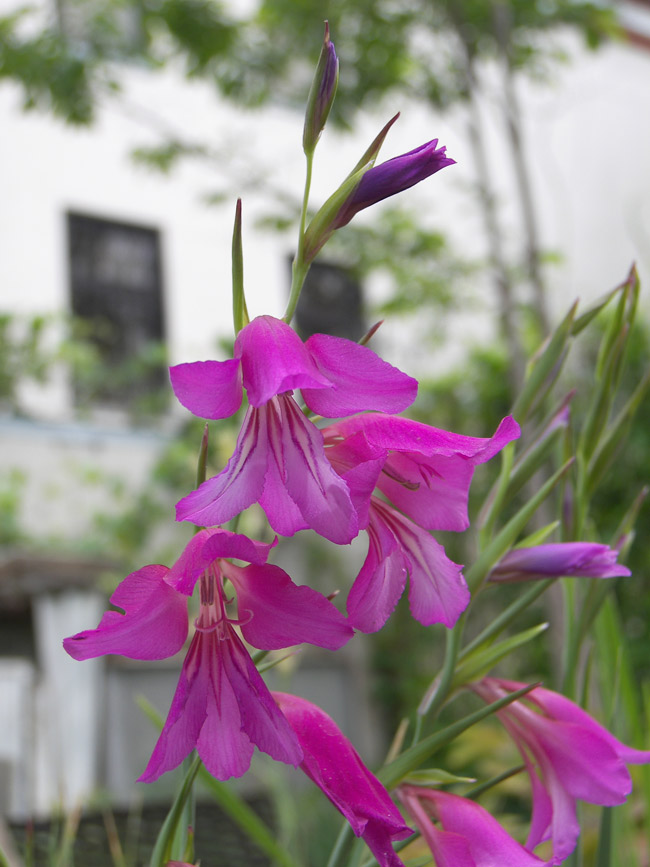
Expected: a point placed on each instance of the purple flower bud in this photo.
(321, 95)
(568, 559)
(393, 176)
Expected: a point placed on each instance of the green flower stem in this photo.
(300, 268)
(506, 617)
(165, 841)
(341, 847)
(571, 645)
(187, 820)
(477, 790)
(392, 774)
(437, 694)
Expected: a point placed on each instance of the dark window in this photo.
(16, 629)
(330, 303)
(116, 299)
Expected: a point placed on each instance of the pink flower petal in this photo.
(262, 720)
(209, 389)
(333, 764)
(359, 465)
(322, 497)
(207, 546)
(274, 360)
(153, 626)
(488, 843)
(405, 435)
(280, 462)
(559, 707)
(428, 471)
(542, 817)
(222, 707)
(380, 583)
(434, 490)
(569, 756)
(449, 850)
(362, 380)
(437, 590)
(283, 613)
(238, 485)
(204, 697)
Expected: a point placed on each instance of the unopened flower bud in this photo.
(321, 95)
(563, 559)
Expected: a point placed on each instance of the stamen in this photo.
(242, 621)
(410, 486)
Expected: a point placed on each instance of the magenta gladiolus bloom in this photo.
(330, 761)
(221, 705)
(392, 177)
(279, 460)
(470, 836)
(564, 559)
(426, 473)
(569, 757)
(398, 547)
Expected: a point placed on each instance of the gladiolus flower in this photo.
(398, 547)
(279, 460)
(426, 473)
(330, 761)
(221, 705)
(564, 559)
(569, 757)
(470, 836)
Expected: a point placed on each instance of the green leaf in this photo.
(614, 435)
(475, 791)
(478, 663)
(392, 774)
(603, 395)
(496, 626)
(538, 537)
(544, 368)
(239, 310)
(435, 777)
(590, 314)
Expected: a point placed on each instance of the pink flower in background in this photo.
(563, 559)
(569, 757)
(426, 473)
(279, 459)
(330, 761)
(221, 705)
(470, 836)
